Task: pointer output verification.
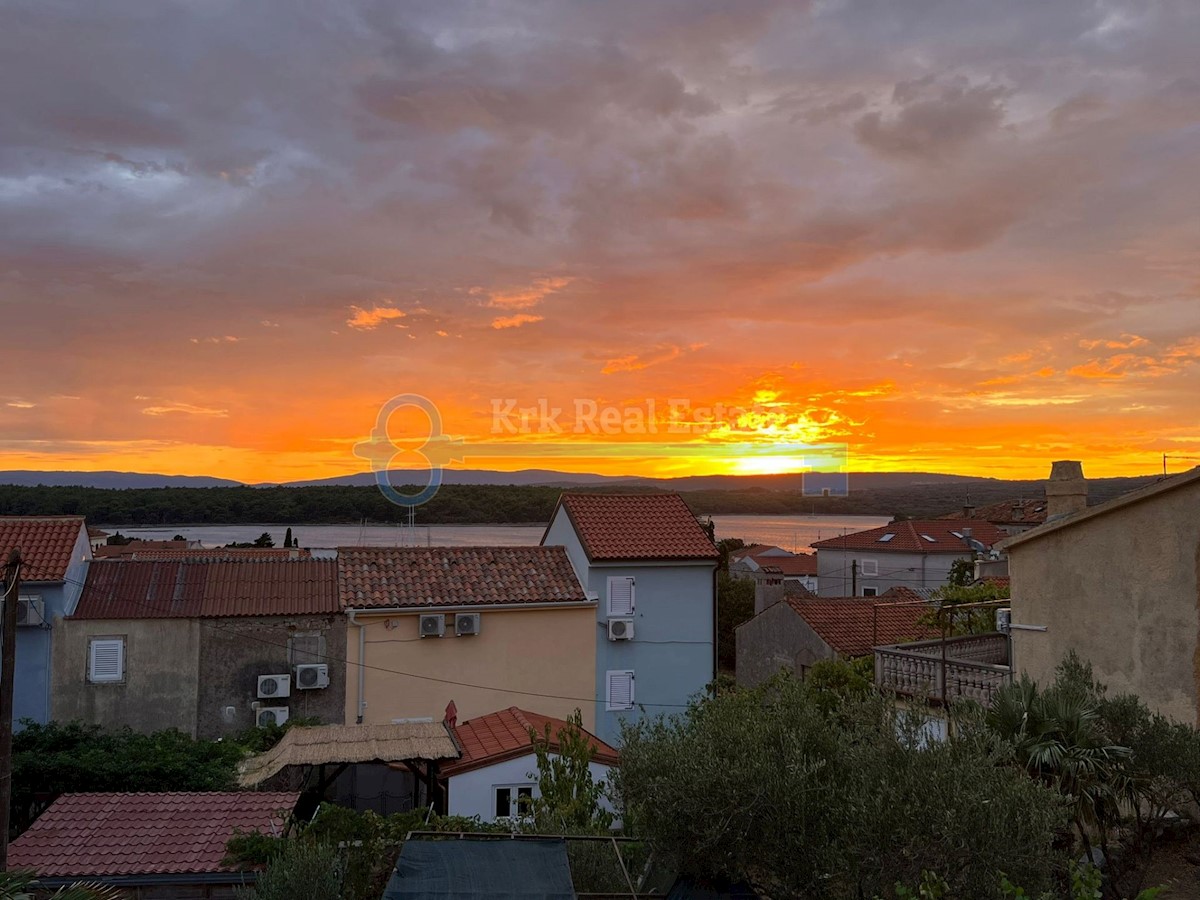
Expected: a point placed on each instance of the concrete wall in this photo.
(471, 793)
(671, 653)
(896, 569)
(776, 639)
(518, 656)
(234, 651)
(34, 656)
(1121, 589)
(161, 674)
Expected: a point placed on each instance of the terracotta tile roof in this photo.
(83, 835)
(1008, 512)
(853, 626)
(636, 526)
(800, 564)
(174, 589)
(917, 536)
(223, 553)
(505, 735)
(45, 542)
(455, 576)
(751, 550)
(109, 551)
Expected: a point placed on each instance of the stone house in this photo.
(186, 643)
(798, 631)
(1118, 583)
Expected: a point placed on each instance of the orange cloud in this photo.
(186, 409)
(515, 321)
(1126, 342)
(524, 298)
(369, 319)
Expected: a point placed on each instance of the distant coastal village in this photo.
(1035, 653)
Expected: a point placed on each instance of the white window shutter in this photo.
(620, 595)
(106, 660)
(620, 689)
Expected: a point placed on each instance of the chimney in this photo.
(1066, 491)
(968, 510)
(451, 718)
(768, 588)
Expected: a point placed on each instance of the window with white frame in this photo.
(620, 689)
(870, 566)
(620, 595)
(512, 800)
(106, 660)
(870, 592)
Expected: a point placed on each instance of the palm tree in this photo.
(22, 885)
(1057, 739)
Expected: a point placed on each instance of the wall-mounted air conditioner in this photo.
(433, 625)
(271, 686)
(467, 623)
(311, 676)
(31, 611)
(620, 629)
(271, 715)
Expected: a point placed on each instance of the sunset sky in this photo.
(956, 236)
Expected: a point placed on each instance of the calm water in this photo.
(789, 532)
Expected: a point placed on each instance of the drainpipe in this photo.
(362, 669)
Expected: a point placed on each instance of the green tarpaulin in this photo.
(467, 869)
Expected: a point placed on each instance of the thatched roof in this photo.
(336, 744)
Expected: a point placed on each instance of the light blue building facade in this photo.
(56, 553)
(655, 615)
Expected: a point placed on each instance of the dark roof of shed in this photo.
(171, 833)
(187, 589)
(537, 869)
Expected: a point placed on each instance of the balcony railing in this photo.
(972, 667)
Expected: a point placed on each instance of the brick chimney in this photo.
(1066, 491)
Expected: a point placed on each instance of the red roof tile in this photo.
(1009, 512)
(222, 553)
(45, 542)
(918, 536)
(636, 526)
(84, 835)
(800, 564)
(186, 589)
(455, 576)
(110, 551)
(505, 734)
(853, 626)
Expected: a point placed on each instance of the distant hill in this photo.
(110, 480)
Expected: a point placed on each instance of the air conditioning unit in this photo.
(274, 686)
(620, 629)
(271, 715)
(311, 676)
(467, 623)
(31, 611)
(433, 625)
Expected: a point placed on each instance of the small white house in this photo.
(498, 766)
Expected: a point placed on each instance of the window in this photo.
(870, 567)
(512, 800)
(106, 660)
(620, 595)
(620, 689)
(870, 592)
